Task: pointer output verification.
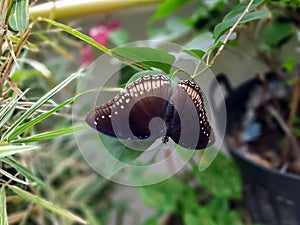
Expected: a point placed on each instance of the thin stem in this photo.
(3, 30)
(180, 70)
(292, 115)
(10, 62)
(4, 6)
(231, 30)
(201, 71)
(196, 69)
(286, 129)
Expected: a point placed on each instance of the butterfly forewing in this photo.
(128, 115)
(190, 126)
(153, 93)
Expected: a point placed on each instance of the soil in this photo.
(267, 148)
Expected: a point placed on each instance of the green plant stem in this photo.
(180, 70)
(77, 34)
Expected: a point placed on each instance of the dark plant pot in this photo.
(271, 197)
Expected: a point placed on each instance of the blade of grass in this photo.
(3, 213)
(24, 171)
(38, 104)
(4, 109)
(13, 149)
(12, 177)
(46, 205)
(51, 134)
(94, 43)
(36, 120)
(43, 116)
(77, 34)
(7, 110)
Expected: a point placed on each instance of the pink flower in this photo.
(87, 56)
(100, 34)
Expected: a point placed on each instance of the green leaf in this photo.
(148, 57)
(296, 131)
(3, 212)
(45, 204)
(195, 53)
(202, 41)
(174, 28)
(224, 179)
(221, 212)
(168, 7)
(7, 110)
(218, 206)
(119, 151)
(125, 74)
(78, 35)
(42, 117)
(18, 18)
(123, 154)
(202, 216)
(216, 212)
(50, 134)
(144, 73)
(119, 37)
(163, 197)
(231, 18)
(153, 220)
(240, 8)
(10, 131)
(222, 27)
(229, 218)
(13, 149)
(289, 64)
(24, 171)
(277, 33)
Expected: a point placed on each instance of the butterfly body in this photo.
(147, 109)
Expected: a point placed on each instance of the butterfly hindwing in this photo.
(100, 119)
(191, 128)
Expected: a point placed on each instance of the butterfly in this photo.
(147, 108)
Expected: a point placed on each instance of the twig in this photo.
(4, 10)
(15, 88)
(3, 30)
(231, 30)
(292, 115)
(9, 63)
(295, 147)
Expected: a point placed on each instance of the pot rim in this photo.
(234, 150)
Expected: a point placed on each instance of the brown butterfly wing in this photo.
(190, 126)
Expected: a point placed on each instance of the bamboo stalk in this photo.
(66, 9)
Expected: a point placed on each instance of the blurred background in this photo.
(60, 187)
